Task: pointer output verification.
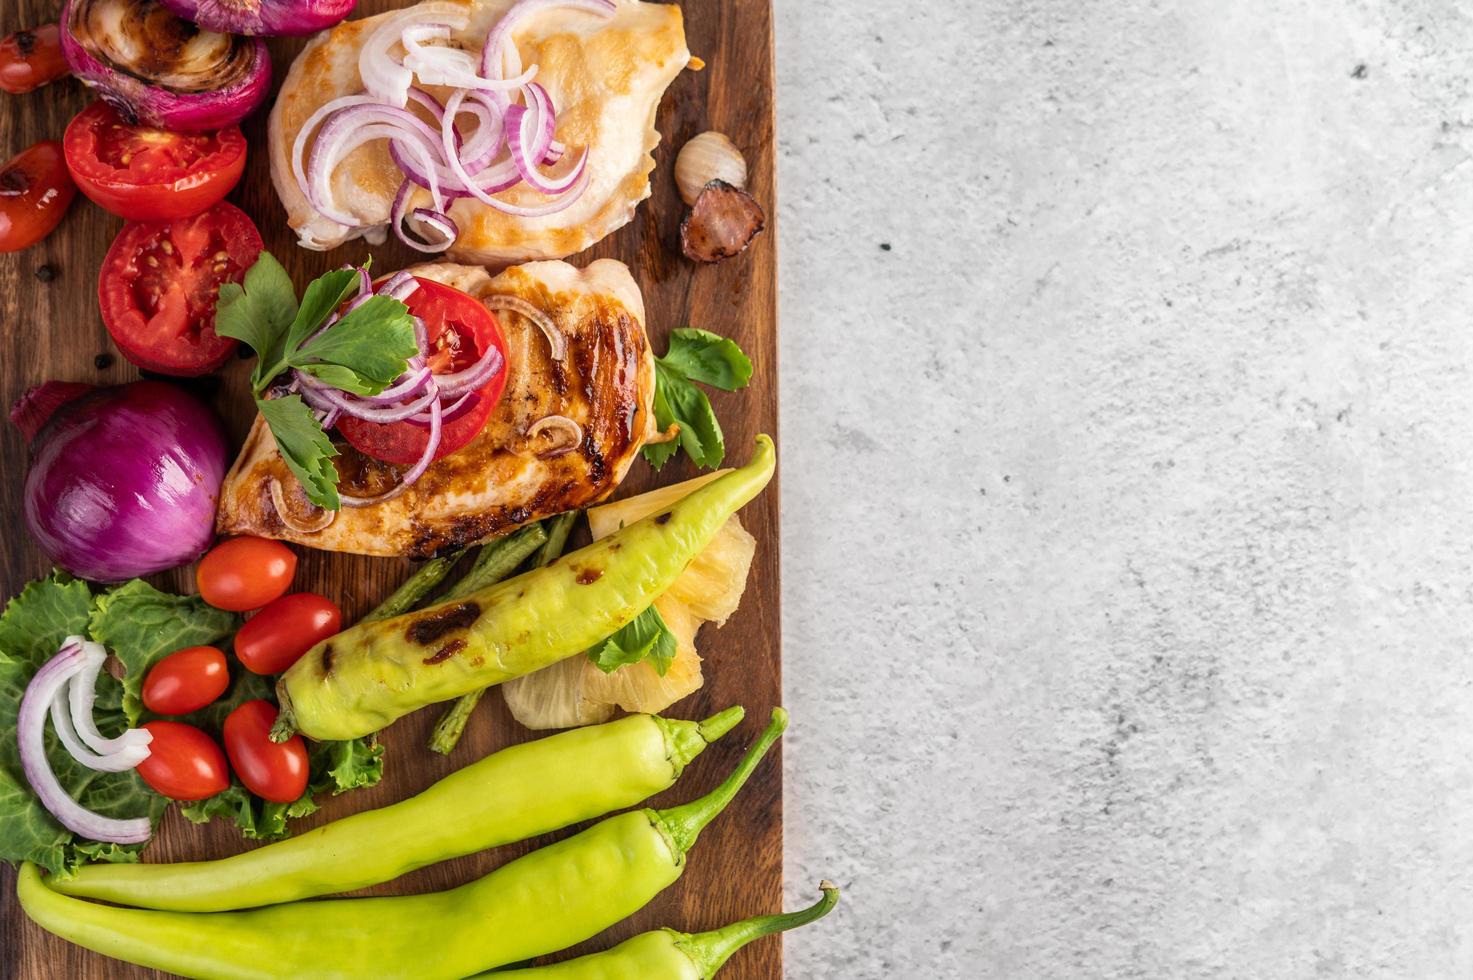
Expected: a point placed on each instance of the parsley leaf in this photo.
(259, 312)
(695, 355)
(370, 344)
(709, 358)
(646, 637)
(304, 446)
(363, 352)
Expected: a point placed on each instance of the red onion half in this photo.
(270, 18)
(124, 481)
(161, 70)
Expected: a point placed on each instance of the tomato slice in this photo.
(159, 284)
(147, 174)
(460, 331)
(35, 192)
(31, 59)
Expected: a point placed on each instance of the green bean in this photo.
(665, 954)
(415, 588)
(451, 726)
(545, 901)
(497, 560)
(514, 794)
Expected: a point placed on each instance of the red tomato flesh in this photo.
(277, 636)
(275, 771)
(35, 191)
(147, 174)
(183, 762)
(460, 331)
(186, 680)
(245, 573)
(31, 59)
(159, 285)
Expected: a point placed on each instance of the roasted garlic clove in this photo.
(707, 157)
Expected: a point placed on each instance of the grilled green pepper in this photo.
(516, 793)
(665, 954)
(359, 681)
(543, 902)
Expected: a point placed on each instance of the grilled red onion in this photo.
(288, 517)
(161, 70)
(270, 18)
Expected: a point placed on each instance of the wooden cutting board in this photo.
(49, 328)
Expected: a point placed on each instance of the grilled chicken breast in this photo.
(505, 478)
(605, 75)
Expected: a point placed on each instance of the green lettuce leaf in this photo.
(32, 629)
(140, 626)
(646, 636)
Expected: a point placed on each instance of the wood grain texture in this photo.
(52, 330)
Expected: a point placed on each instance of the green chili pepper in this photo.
(546, 901)
(451, 726)
(364, 678)
(669, 955)
(516, 793)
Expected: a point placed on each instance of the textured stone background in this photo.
(1128, 500)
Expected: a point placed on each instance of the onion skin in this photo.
(124, 481)
(263, 18)
(246, 74)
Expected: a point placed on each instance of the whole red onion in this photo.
(263, 17)
(123, 481)
(160, 70)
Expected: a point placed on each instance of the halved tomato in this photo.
(35, 192)
(147, 174)
(159, 285)
(460, 331)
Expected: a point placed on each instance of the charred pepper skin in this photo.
(669, 955)
(517, 793)
(540, 903)
(363, 679)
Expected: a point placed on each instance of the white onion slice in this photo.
(61, 720)
(556, 342)
(83, 695)
(35, 704)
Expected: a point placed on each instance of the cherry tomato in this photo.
(245, 573)
(275, 771)
(147, 174)
(30, 59)
(460, 331)
(277, 636)
(183, 762)
(186, 680)
(35, 191)
(159, 285)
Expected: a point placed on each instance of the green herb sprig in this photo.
(647, 637)
(363, 353)
(695, 356)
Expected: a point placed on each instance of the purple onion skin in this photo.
(152, 105)
(258, 18)
(124, 481)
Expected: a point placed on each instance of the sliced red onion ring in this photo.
(528, 146)
(402, 285)
(474, 376)
(567, 432)
(35, 704)
(84, 695)
(556, 342)
(61, 720)
(414, 473)
(442, 230)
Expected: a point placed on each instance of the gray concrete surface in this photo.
(1129, 486)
